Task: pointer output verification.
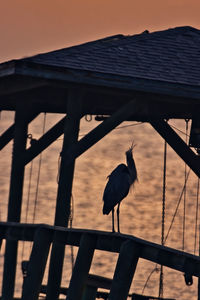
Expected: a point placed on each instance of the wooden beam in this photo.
(36, 265)
(102, 129)
(63, 202)
(81, 268)
(15, 201)
(8, 135)
(107, 241)
(11, 84)
(124, 271)
(46, 140)
(179, 146)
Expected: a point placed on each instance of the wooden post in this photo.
(89, 293)
(82, 266)
(124, 272)
(36, 265)
(15, 200)
(199, 276)
(63, 204)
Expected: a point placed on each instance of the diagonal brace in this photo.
(47, 139)
(8, 135)
(130, 109)
(179, 146)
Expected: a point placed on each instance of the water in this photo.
(140, 211)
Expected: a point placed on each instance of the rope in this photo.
(156, 269)
(185, 190)
(120, 127)
(163, 216)
(28, 200)
(177, 206)
(71, 217)
(38, 177)
(196, 219)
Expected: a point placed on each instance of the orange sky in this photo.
(28, 27)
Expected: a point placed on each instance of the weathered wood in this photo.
(46, 140)
(63, 202)
(179, 146)
(104, 128)
(10, 85)
(8, 135)
(107, 241)
(81, 268)
(185, 93)
(89, 293)
(124, 272)
(36, 265)
(15, 200)
(99, 281)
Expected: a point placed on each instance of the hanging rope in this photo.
(156, 269)
(38, 177)
(163, 216)
(71, 217)
(58, 173)
(28, 194)
(185, 190)
(196, 219)
(177, 206)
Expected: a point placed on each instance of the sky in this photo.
(29, 27)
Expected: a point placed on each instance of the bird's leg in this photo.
(113, 220)
(118, 216)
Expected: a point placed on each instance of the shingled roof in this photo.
(171, 55)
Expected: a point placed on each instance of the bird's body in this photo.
(118, 185)
(114, 192)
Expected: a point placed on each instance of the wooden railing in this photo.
(130, 249)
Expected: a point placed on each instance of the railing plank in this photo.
(82, 266)
(125, 269)
(36, 265)
(107, 241)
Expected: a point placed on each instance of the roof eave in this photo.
(77, 76)
(7, 68)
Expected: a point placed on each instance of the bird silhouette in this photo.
(118, 185)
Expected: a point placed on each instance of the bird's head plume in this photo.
(131, 164)
(130, 150)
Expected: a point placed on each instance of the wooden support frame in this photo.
(124, 272)
(46, 140)
(36, 265)
(19, 84)
(8, 135)
(107, 241)
(103, 129)
(81, 268)
(179, 146)
(89, 293)
(15, 201)
(63, 203)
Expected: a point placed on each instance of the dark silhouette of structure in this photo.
(148, 77)
(118, 186)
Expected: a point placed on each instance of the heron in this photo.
(118, 185)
